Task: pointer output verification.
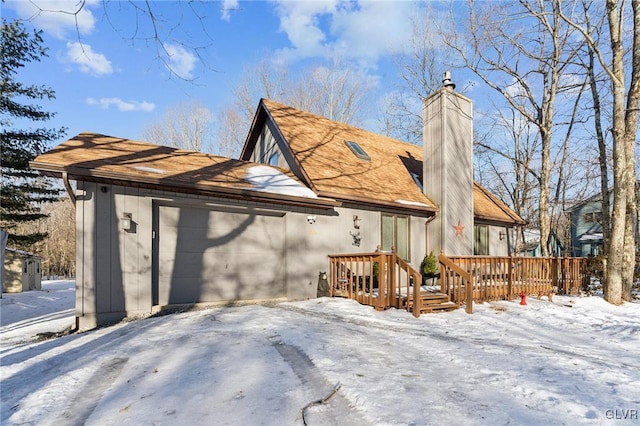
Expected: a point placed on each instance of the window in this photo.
(593, 217)
(395, 233)
(273, 159)
(418, 180)
(481, 240)
(357, 150)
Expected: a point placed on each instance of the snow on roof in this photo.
(412, 203)
(268, 179)
(592, 237)
(531, 236)
(149, 169)
(21, 252)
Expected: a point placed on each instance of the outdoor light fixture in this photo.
(502, 234)
(311, 219)
(126, 223)
(356, 221)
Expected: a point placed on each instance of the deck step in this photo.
(431, 302)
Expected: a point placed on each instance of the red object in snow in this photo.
(523, 298)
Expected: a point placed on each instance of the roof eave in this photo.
(128, 180)
(379, 203)
(498, 222)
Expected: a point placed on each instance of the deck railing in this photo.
(379, 279)
(487, 278)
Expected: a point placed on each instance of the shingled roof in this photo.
(331, 169)
(328, 166)
(100, 158)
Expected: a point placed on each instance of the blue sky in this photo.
(109, 79)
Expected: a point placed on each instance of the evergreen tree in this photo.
(23, 190)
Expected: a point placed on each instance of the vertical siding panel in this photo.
(85, 254)
(117, 248)
(131, 251)
(102, 257)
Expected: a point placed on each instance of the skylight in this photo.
(357, 150)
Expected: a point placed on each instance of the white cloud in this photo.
(227, 7)
(364, 30)
(181, 61)
(57, 17)
(124, 106)
(90, 62)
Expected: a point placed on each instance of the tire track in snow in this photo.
(87, 399)
(336, 411)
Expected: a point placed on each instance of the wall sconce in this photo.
(311, 219)
(126, 222)
(502, 234)
(356, 221)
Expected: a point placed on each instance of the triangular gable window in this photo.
(357, 150)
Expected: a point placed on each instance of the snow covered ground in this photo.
(574, 361)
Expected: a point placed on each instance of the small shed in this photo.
(22, 271)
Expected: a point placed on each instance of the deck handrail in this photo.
(449, 270)
(506, 277)
(356, 275)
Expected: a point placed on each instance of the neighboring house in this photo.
(22, 271)
(531, 244)
(158, 226)
(586, 225)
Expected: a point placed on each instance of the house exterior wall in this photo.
(115, 268)
(497, 246)
(581, 227)
(270, 143)
(12, 277)
(586, 233)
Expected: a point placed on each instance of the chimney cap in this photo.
(446, 81)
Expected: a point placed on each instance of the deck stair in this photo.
(431, 302)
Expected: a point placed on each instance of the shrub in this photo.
(429, 265)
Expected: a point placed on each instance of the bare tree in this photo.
(338, 92)
(624, 127)
(188, 125)
(421, 68)
(522, 51)
(58, 248)
(506, 159)
(171, 34)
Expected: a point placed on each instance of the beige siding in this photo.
(448, 170)
(12, 277)
(115, 267)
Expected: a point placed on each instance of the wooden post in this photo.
(510, 278)
(391, 279)
(382, 282)
(417, 301)
(469, 302)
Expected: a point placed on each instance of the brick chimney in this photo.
(447, 141)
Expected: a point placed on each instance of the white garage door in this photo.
(210, 256)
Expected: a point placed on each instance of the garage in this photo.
(203, 255)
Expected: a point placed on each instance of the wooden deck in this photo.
(468, 279)
(384, 281)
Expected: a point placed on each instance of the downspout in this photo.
(426, 232)
(72, 195)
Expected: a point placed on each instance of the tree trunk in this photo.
(613, 286)
(631, 129)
